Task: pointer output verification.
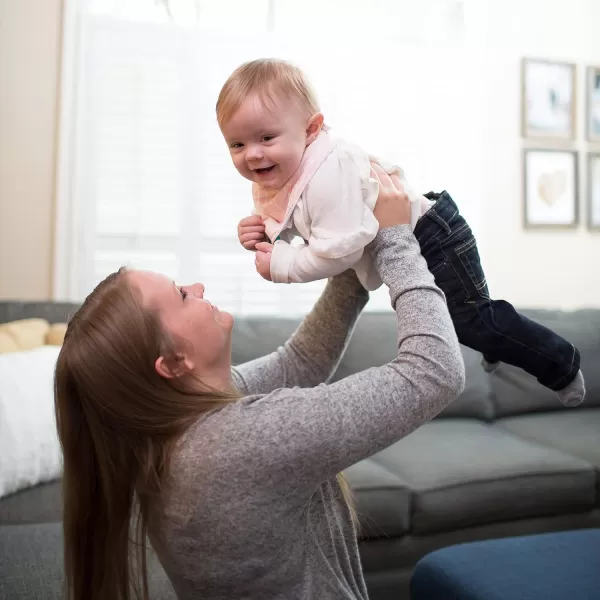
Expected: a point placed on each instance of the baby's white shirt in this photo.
(334, 216)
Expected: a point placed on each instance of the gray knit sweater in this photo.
(256, 511)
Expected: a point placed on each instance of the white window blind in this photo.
(153, 186)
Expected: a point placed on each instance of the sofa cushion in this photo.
(34, 566)
(382, 500)
(516, 392)
(575, 432)
(39, 504)
(464, 473)
(476, 399)
(255, 336)
(53, 312)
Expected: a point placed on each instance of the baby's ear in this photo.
(313, 127)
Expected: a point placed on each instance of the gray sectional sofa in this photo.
(505, 459)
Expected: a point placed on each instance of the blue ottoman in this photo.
(550, 566)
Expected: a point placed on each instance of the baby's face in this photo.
(266, 142)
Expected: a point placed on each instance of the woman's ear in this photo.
(313, 127)
(178, 366)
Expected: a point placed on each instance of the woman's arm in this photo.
(300, 437)
(312, 354)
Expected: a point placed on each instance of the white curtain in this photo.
(151, 184)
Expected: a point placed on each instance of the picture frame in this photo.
(593, 191)
(593, 104)
(550, 189)
(548, 97)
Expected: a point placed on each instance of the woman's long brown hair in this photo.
(118, 422)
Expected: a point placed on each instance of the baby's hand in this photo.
(262, 260)
(250, 231)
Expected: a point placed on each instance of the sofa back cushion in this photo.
(373, 344)
(53, 312)
(516, 392)
(254, 337)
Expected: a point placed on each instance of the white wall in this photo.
(556, 269)
(29, 71)
(529, 268)
(553, 269)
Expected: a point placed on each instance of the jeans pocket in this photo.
(468, 255)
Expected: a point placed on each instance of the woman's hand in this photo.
(392, 206)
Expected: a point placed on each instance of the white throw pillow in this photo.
(29, 448)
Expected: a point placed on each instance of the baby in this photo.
(306, 183)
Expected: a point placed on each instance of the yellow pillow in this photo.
(23, 335)
(56, 335)
(7, 343)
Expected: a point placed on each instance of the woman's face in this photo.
(187, 315)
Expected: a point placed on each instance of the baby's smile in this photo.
(264, 170)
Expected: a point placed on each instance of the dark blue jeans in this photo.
(492, 327)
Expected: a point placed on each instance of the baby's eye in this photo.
(267, 138)
(183, 293)
(235, 145)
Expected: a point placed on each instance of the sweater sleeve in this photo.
(339, 200)
(312, 354)
(317, 432)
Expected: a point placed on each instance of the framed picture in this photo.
(550, 189)
(594, 190)
(593, 104)
(548, 98)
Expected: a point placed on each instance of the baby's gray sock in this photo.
(574, 393)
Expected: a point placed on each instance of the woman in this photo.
(232, 474)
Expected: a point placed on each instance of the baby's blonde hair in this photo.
(269, 77)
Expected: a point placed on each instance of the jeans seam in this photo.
(466, 245)
(570, 375)
(471, 285)
(536, 350)
(435, 216)
(439, 267)
(478, 286)
(430, 240)
(460, 252)
(557, 383)
(455, 234)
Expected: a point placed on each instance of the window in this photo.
(144, 171)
